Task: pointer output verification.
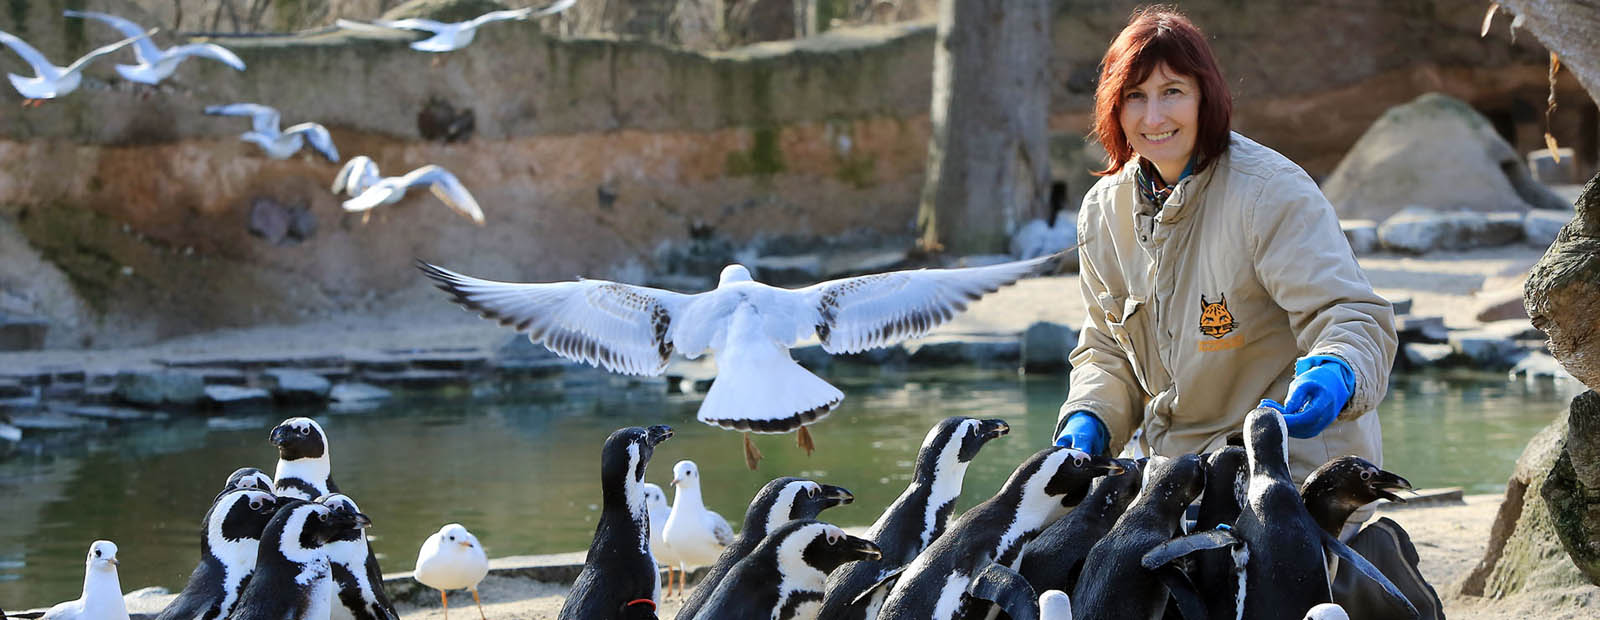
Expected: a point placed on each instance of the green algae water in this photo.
(519, 466)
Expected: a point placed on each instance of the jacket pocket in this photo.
(1129, 324)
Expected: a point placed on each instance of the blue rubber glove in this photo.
(1084, 431)
(1322, 385)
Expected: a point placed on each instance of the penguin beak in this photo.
(1106, 464)
(862, 548)
(279, 436)
(363, 521)
(837, 495)
(657, 434)
(993, 429)
(1385, 483)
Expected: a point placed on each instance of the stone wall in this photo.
(598, 156)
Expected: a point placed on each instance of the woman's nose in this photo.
(1154, 113)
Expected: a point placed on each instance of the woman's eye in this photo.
(1134, 96)
(1173, 92)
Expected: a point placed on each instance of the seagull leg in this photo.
(478, 603)
(445, 600)
(752, 456)
(803, 439)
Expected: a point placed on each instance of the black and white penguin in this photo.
(778, 502)
(1216, 573)
(915, 519)
(355, 570)
(782, 577)
(1337, 490)
(1286, 572)
(619, 576)
(1121, 587)
(292, 580)
(1053, 559)
(935, 584)
(305, 470)
(230, 534)
(1342, 486)
(248, 478)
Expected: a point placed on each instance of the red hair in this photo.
(1160, 35)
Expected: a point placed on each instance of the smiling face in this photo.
(1160, 116)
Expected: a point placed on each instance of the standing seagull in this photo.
(52, 81)
(360, 179)
(452, 559)
(454, 36)
(278, 144)
(697, 535)
(655, 500)
(102, 592)
(759, 388)
(156, 64)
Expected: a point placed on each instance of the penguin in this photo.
(778, 502)
(292, 580)
(935, 584)
(915, 519)
(247, 478)
(230, 534)
(355, 569)
(1053, 559)
(782, 577)
(1342, 486)
(619, 576)
(1121, 587)
(1286, 573)
(102, 591)
(1389, 548)
(304, 469)
(1216, 573)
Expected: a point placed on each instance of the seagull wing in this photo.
(41, 65)
(79, 64)
(623, 328)
(554, 8)
(719, 528)
(415, 23)
(208, 50)
(374, 195)
(263, 119)
(319, 138)
(350, 24)
(860, 313)
(356, 176)
(449, 190)
(495, 16)
(144, 49)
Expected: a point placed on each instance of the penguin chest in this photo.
(794, 604)
(950, 596)
(316, 580)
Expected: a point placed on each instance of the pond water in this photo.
(520, 469)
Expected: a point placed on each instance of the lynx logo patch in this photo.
(1215, 320)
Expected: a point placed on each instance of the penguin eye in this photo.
(255, 504)
(1078, 462)
(305, 431)
(1366, 474)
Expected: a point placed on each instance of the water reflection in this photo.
(517, 462)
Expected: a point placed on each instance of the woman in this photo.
(1214, 273)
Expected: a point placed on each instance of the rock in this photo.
(1572, 489)
(1539, 364)
(1500, 305)
(160, 387)
(295, 386)
(1486, 347)
(964, 349)
(1562, 295)
(448, 11)
(22, 333)
(1429, 329)
(1362, 235)
(1423, 355)
(1045, 347)
(1438, 152)
(357, 392)
(1419, 230)
(1544, 167)
(442, 122)
(235, 397)
(1540, 226)
(794, 270)
(1401, 305)
(813, 357)
(114, 414)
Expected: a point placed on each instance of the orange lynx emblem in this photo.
(1215, 320)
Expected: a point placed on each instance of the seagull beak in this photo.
(676, 480)
(115, 562)
(465, 543)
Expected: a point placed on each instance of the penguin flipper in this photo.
(1007, 589)
(1190, 605)
(1355, 561)
(886, 579)
(1167, 552)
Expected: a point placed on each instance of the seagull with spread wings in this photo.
(51, 81)
(360, 179)
(278, 144)
(759, 388)
(453, 36)
(155, 64)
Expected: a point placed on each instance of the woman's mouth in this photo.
(1158, 138)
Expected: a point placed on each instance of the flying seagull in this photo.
(451, 37)
(53, 81)
(155, 64)
(759, 388)
(359, 178)
(278, 144)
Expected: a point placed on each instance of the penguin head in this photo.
(686, 475)
(102, 556)
(248, 478)
(348, 516)
(819, 545)
(628, 450)
(733, 273)
(1074, 472)
(1174, 481)
(811, 498)
(1266, 439)
(790, 498)
(244, 514)
(323, 524)
(952, 444)
(1355, 482)
(299, 438)
(455, 537)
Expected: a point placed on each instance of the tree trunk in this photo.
(1569, 28)
(988, 158)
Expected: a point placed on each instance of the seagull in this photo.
(655, 500)
(452, 559)
(102, 592)
(53, 81)
(451, 37)
(1055, 605)
(759, 388)
(264, 131)
(697, 535)
(155, 64)
(359, 178)
(1327, 611)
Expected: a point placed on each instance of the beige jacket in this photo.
(1198, 311)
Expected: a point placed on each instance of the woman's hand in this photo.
(1084, 431)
